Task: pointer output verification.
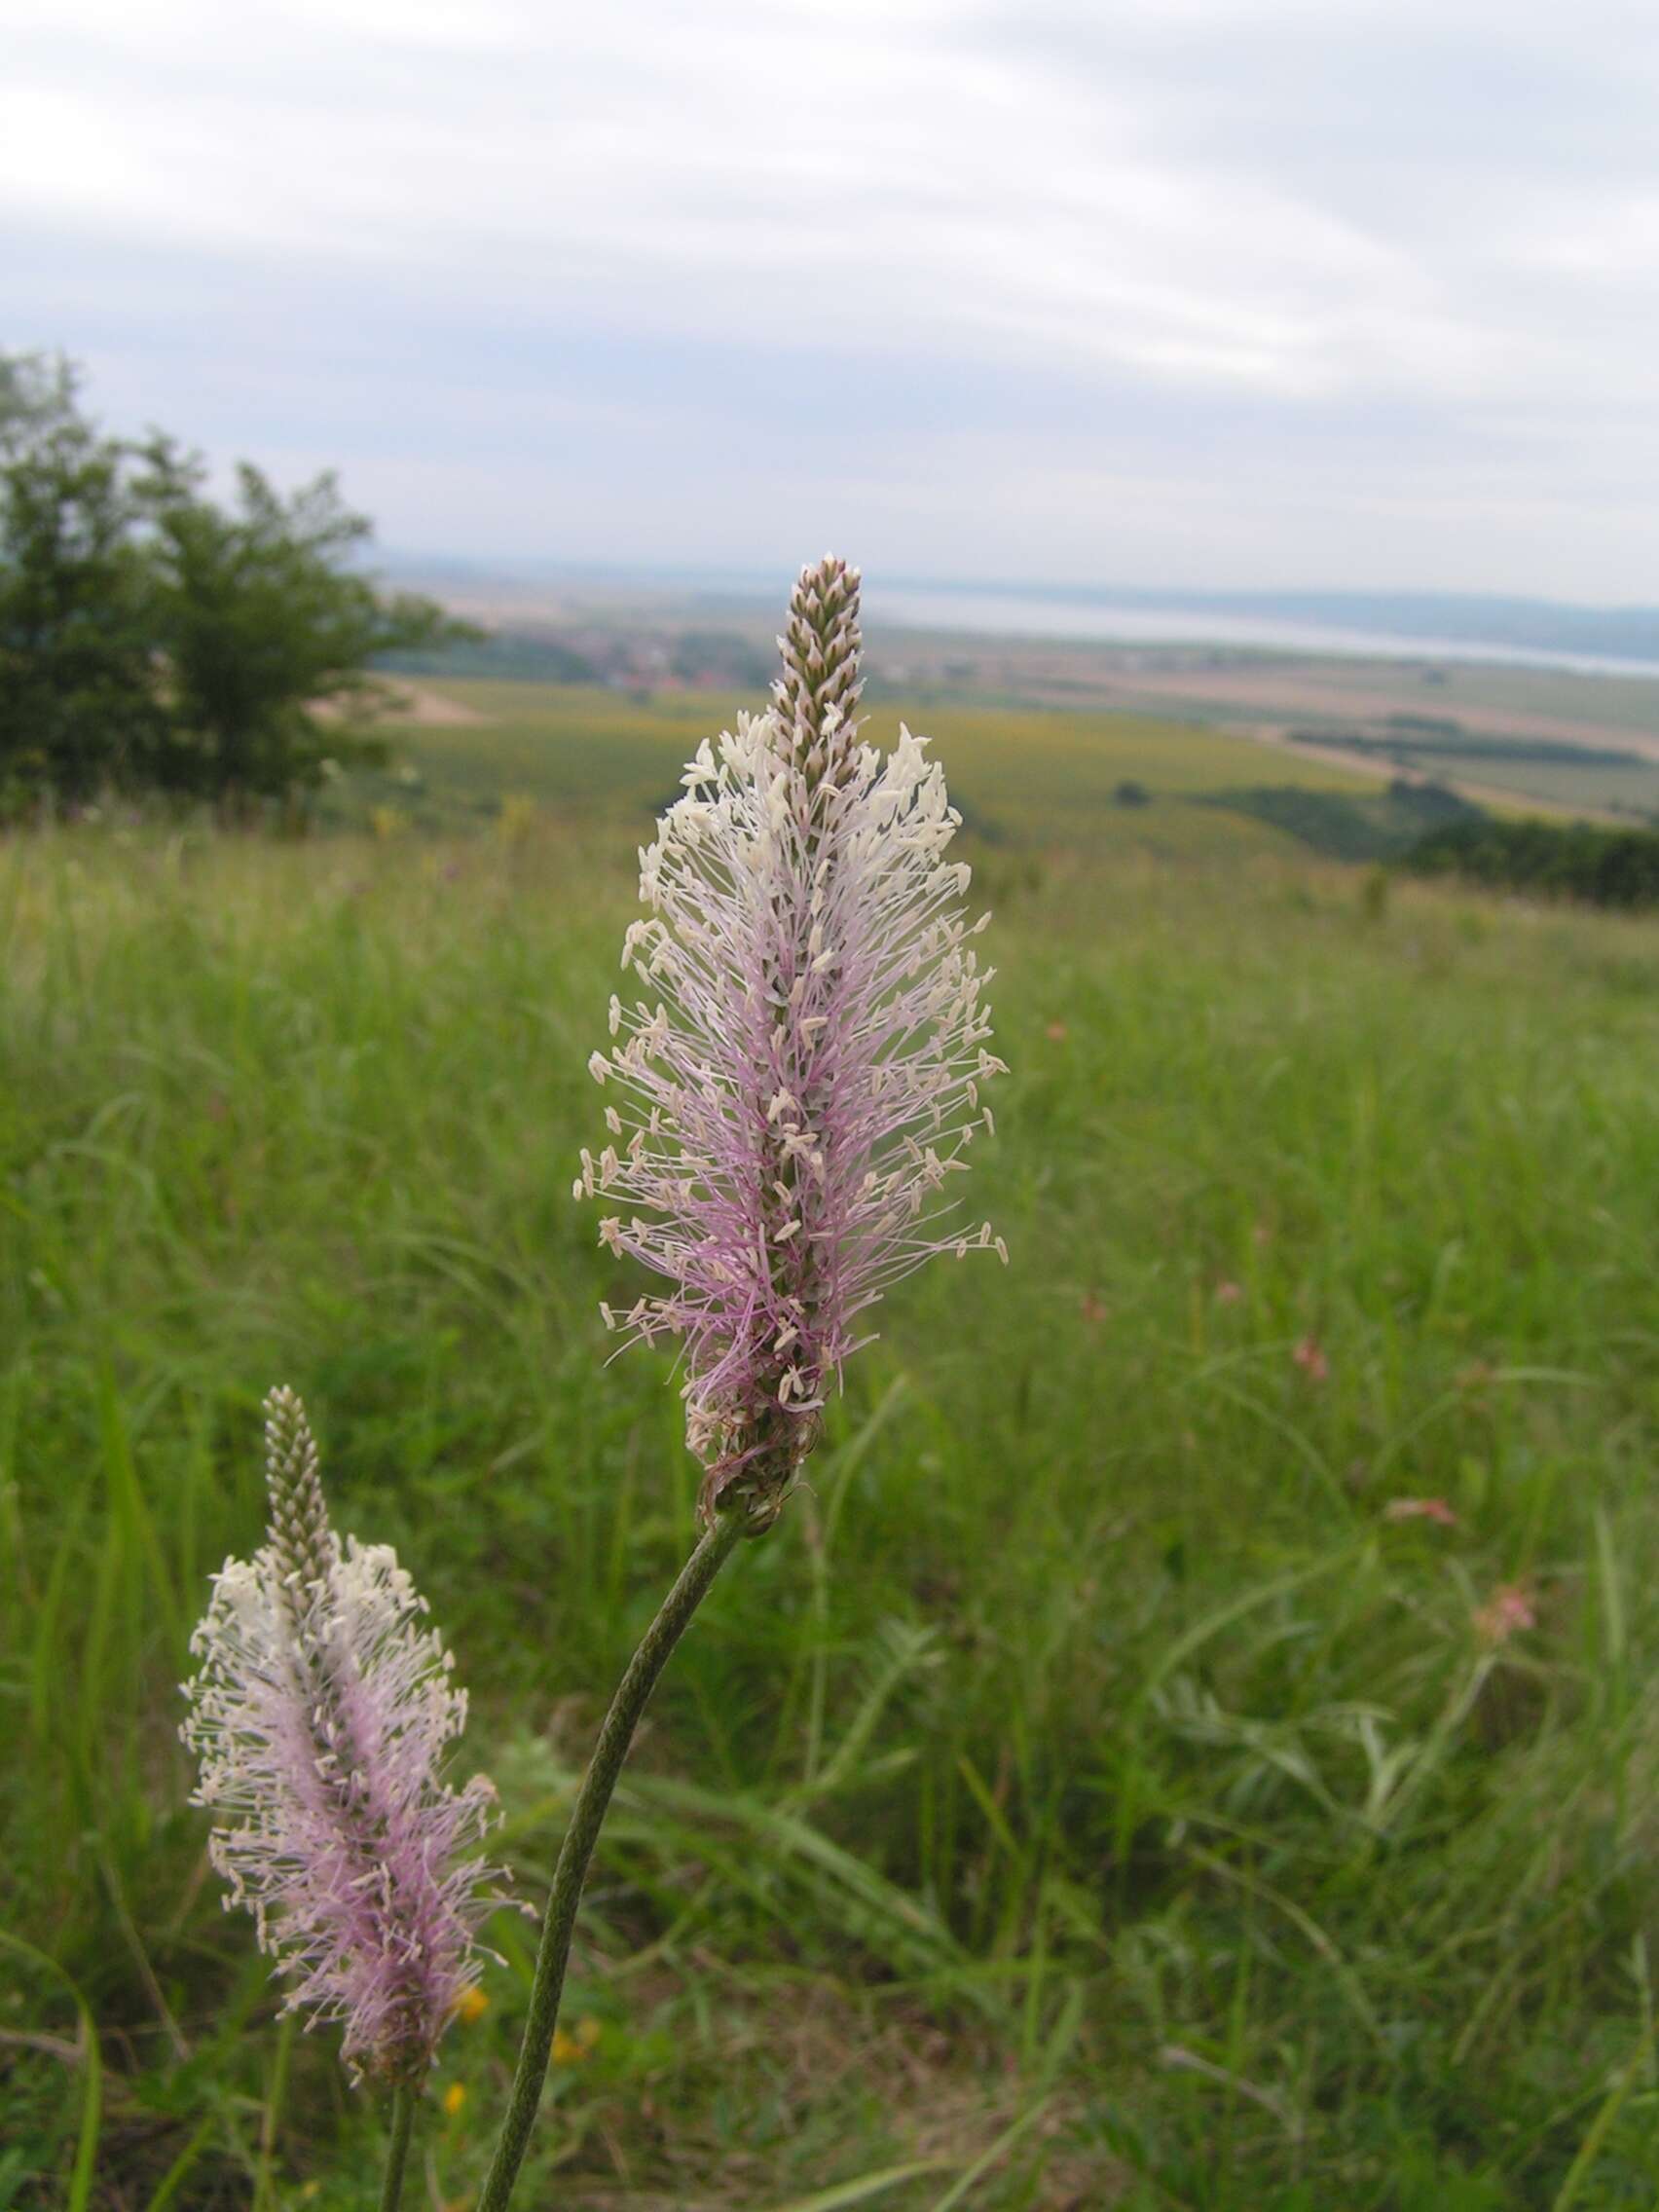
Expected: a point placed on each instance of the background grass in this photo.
(1089, 1795)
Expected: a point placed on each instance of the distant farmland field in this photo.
(1593, 785)
(1569, 740)
(1021, 777)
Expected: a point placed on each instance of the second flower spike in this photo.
(320, 1717)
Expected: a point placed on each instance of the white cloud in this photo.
(1396, 249)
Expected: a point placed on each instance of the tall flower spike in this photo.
(320, 1717)
(793, 1105)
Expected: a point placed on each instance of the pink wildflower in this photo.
(792, 1109)
(319, 1718)
(1421, 1509)
(1506, 1612)
(1310, 1358)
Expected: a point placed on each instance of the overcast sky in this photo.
(1196, 292)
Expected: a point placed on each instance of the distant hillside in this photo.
(1479, 618)
(514, 657)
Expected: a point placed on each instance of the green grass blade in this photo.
(91, 2091)
(1589, 2150)
(865, 2190)
(957, 2193)
(182, 2167)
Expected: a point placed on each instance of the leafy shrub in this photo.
(1364, 826)
(1559, 860)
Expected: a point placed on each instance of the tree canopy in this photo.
(152, 638)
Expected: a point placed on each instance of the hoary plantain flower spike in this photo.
(320, 1716)
(794, 1096)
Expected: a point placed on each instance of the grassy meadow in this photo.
(1105, 1788)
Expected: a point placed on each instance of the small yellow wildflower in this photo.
(473, 2005)
(571, 2049)
(455, 2098)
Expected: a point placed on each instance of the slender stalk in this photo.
(402, 2120)
(265, 2185)
(609, 1753)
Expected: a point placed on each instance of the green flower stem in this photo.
(633, 1692)
(402, 2120)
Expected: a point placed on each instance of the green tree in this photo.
(266, 632)
(152, 636)
(80, 710)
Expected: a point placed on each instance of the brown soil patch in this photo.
(411, 704)
(431, 710)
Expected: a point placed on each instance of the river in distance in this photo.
(1020, 614)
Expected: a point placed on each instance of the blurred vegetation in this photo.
(1192, 1741)
(519, 656)
(1557, 860)
(1368, 826)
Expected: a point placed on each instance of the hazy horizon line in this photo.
(760, 580)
